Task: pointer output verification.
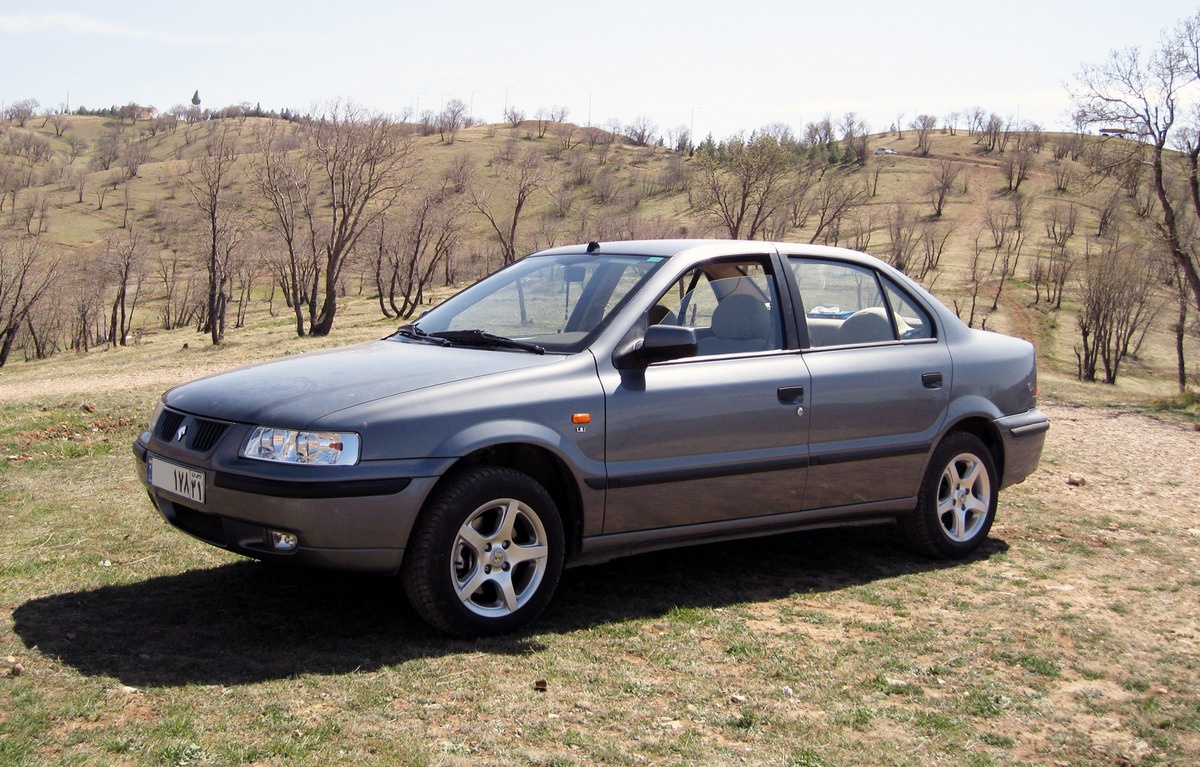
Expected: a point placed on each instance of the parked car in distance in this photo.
(601, 400)
(885, 150)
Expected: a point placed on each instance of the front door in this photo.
(719, 436)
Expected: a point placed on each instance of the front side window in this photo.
(732, 305)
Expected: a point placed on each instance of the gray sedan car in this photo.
(600, 400)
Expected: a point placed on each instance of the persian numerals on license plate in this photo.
(176, 479)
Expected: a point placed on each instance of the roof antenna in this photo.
(593, 246)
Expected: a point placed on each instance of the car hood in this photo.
(294, 391)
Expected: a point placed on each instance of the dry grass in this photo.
(1069, 639)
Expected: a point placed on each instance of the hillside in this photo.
(591, 185)
(1064, 639)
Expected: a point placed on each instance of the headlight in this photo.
(155, 415)
(319, 448)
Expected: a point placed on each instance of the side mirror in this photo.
(660, 344)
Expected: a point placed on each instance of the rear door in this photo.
(880, 382)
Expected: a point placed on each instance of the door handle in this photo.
(790, 395)
(931, 380)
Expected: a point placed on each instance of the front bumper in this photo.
(1024, 436)
(356, 525)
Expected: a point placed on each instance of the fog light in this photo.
(281, 541)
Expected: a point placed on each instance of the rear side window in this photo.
(848, 304)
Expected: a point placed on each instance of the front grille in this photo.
(199, 434)
(168, 423)
(207, 434)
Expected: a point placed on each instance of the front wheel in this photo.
(486, 555)
(957, 501)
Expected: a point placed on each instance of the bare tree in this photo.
(951, 122)
(124, 257)
(245, 270)
(27, 272)
(976, 118)
(991, 134)
(974, 281)
(878, 165)
(742, 184)
(835, 195)
(1063, 175)
(59, 122)
(933, 243)
(679, 138)
(1117, 306)
(945, 173)
(35, 213)
(1005, 262)
(641, 131)
(924, 126)
(76, 146)
(207, 181)
(542, 121)
(1148, 95)
(903, 236)
(1066, 146)
(1108, 214)
(179, 291)
(107, 149)
(569, 135)
(132, 154)
(503, 202)
(83, 299)
(285, 180)
(1060, 223)
(364, 163)
(514, 117)
(407, 261)
(78, 179)
(452, 119)
(1181, 324)
(21, 111)
(563, 198)
(854, 138)
(1015, 166)
(105, 183)
(998, 220)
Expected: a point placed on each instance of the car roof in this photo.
(708, 248)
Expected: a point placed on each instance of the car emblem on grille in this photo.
(179, 435)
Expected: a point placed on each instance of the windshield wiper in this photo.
(484, 339)
(416, 334)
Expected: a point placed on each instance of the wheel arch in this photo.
(985, 430)
(545, 467)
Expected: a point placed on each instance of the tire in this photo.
(957, 501)
(486, 554)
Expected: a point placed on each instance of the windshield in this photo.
(558, 302)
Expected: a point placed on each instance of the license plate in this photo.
(176, 479)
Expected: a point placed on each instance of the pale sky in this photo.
(716, 67)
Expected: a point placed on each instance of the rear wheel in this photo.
(486, 555)
(957, 501)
